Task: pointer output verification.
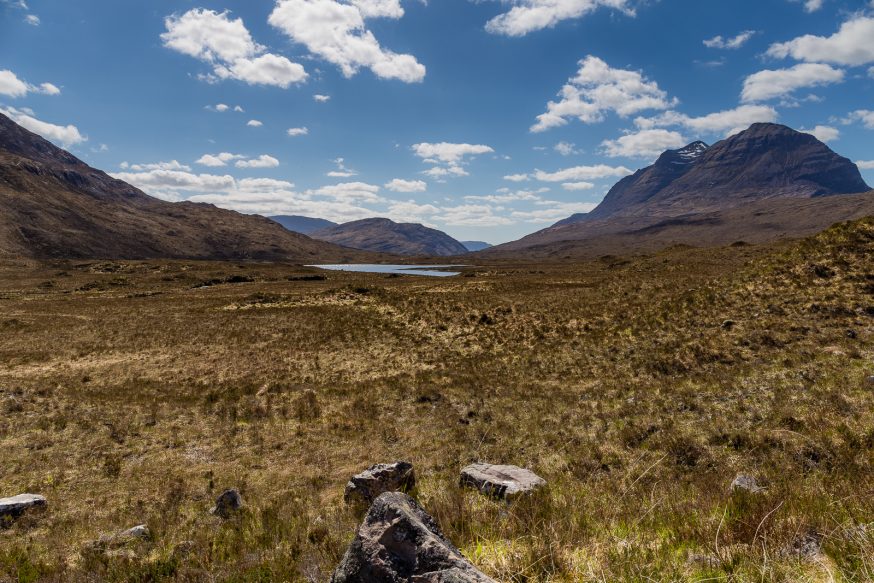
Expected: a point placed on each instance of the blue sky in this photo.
(488, 119)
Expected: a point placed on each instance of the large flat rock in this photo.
(399, 541)
(13, 507)
(501, 481)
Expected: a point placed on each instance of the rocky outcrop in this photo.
(501, 481)
(398, 541)
(13, 507)
(227, 504)
(363, 488)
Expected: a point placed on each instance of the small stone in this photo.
(229, 503)
(399, 541)
(379, 478)
(728, 324)
(501, 481)
(13, 507)
(746, 483)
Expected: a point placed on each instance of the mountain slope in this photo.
(53, 205)
(387, 236)
(475, 245)
(767, 162)
(302, 225)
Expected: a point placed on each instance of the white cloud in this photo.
(400, 185)
(349, 192)
(67, 136)
(598, 89)
(517, 177)
(239, 109)
(565, 148)
(411, 212)
(336, 32)
(221, 107)
(852, 45)
(581, 173)
(532, 15)
(298, 131)
(824, 133)
(441, 172)
(32, 19)
(726, 122)
(735, 42)
(505, 196)
(449, 153)
(12, 86)
(342, 171)
(472, 215)
(262, 161)
(554, 211)
(865, 164)
(769, 84)
(322, 98)
(217, 160)
(578, 185)
(171, 165)
(644, 144)
(169, 183)
(812, 5)
(866, 116)
(254, 123)
(228, 47)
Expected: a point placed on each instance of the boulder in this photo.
(12, 508)
(228, 504)
(366, 486)
(746, 483)
(501, 481)
(399, 541)
(109, 543)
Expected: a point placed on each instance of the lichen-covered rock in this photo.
(501, 481)
(743, 482)
(13, 507)
(228, 504)
(398, 541)
(365, 487)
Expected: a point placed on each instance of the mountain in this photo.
(302, 225)
(724, 184)
(472, 246)
(53, 205)
(387, 236)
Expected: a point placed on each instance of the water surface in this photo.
(428, 270)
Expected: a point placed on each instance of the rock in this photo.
(870, 381)
(744, 482)
(728, 324)
(399, 541)
(108, 543)
(379, 478)
(228, 504)
(501, 481)
(12, 508)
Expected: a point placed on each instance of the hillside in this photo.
(53, 205)
(387, 236)
(302, 225)
(764, 183)
(475, 245)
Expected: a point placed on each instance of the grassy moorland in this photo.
(638, 387)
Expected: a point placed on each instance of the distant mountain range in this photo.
(53, 205)
(302, 225)
(766, 182)
(386, 236)
(476, 245)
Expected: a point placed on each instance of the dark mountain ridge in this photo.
(386, 236)
(301, 224)
(53, 205)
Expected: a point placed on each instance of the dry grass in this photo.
(131, 394)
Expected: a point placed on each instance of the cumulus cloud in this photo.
(865, 164)
(349, 192)
(824, 133)
(12, 86)
(726, 122)
(32, 19)
(734, 42)
(400, 185)
(851, 45)
(552, 211)
(66, 136)
(226, 45)
(293, 132)
(262, 161)
(217, 160)
(171, 165)
(769, 84)
(565, 148)
(336, 32)
(578, 185)
(582, 173)
(517, 177)
(813, 5)
(598, 89)
(322, 98)
(254, 123)
(448, 158)
(341, 171)
(505, 196)
(527, 16)
(411, 212)
(644, 144)
(472, 215)
(866, 116)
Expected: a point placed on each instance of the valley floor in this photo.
(135, 392)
